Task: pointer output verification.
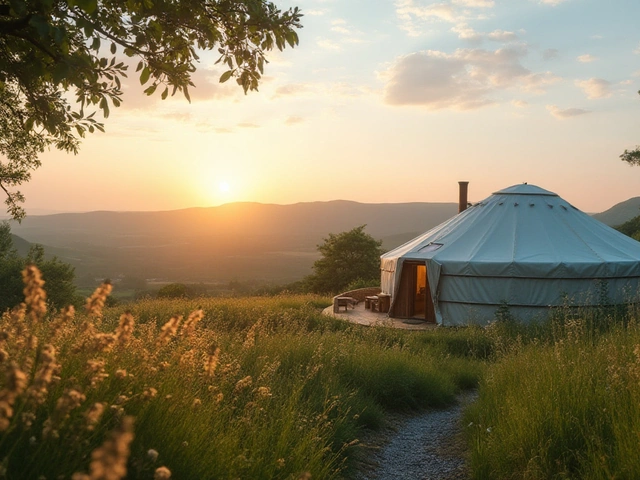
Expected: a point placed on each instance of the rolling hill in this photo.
(620, 213)
(238, 241)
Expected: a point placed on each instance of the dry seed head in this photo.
(190, 324)
(70, 400)
(263, 392)
(168, 330)
(34, 295)
(162, 473)
(63, 318)
(109, 461)
(121, 373)
(43, 377)
(211, 363)
(197, 402)
(125, 328)
(95, 370)
(16, 381)
(149, 393)
(152, 454)
(95, 303)
(93, 415)
(242, 384)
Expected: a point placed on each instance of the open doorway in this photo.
(414, 295)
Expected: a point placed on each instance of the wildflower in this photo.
(109, 461)
(95, 303)
(152, 454)
(197, 402)
(124, 329)
(280, 463)
(218, 398)
(162, 473)
(190, 324)
(169, 330)
(242, 384)
(34, 295)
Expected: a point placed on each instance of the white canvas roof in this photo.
(524, 246)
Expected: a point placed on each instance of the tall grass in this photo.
(208, 388)
(561, 402)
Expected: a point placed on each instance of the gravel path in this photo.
(424, 447)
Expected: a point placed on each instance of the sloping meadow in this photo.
(562, 400)
(209, 388)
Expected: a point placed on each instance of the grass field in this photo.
(269, 388)
(210, 388)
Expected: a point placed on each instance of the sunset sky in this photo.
(383, 101)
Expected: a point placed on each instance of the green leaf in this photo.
(144, 76)
(151, 89)
(165, 93)
(226, 76)
(113, 48)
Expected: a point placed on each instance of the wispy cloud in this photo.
(416, 15)
(519, 103)
(463, 80)
(550, 54)
(293, 120)
(595, 87)
(637, 50)
(552, 2)
(465, 32)
(328, 44)
(587, 58)
(562, 114)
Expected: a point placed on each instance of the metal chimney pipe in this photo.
(462, 203)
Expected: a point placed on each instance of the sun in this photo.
(224, 187)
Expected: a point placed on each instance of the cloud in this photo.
(414, 14)
(475, 3)
(465, 32)
(328, 44)
(595, 87)
(519, 103)
(562, 114)
(550, 54)
(463, 80)
(315, 13)
(248, 125)
(502, 36)
(637, 50)
(293, 120)
(587, 58)
(552, 2)
(291, 89)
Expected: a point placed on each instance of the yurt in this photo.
(524, 247)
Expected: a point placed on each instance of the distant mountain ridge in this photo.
(620, 213)
(234, 241)
(237, 241)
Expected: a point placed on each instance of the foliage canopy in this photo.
(49, 48)
(58, 276)
(632, 157)
(347, 257)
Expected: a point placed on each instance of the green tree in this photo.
(57, 275)
(49, 48)
(174, 290)
(347, 257)
(632, 157)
